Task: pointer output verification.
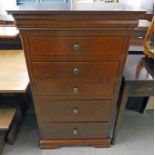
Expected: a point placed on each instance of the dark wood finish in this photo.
(2, 140)
(120, 112)
(85, 45)
(74, 130)
(138, 81)
(79, 71)
(93, 37)
(13, 130)
(67, 88)
(77, 56)
(74, 110)
(140, 88)
(52, 144)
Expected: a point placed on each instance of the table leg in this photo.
(2, 140)
(12, 133)
(120, 112)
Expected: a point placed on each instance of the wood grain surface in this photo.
(13, 72)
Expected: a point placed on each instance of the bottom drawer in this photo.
(74, 130)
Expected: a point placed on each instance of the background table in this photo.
(14, 82)
(138, 81)
(13, 72)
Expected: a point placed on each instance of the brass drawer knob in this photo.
(76, 47)
(75, 90)
(75, 131)
(75, 110)
(75, 71)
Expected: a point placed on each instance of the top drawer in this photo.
(75, 45)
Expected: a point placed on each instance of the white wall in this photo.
(145, 4)
(6, 4)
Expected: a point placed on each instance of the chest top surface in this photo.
(75, 8)
(76, 15)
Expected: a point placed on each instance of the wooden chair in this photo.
(137, 39)
(148, 45)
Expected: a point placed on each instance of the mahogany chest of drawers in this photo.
(75, 55)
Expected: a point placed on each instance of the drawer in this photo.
(75, 89)
(74, 130)
(74, 110)
(85, 71)
(72, 46)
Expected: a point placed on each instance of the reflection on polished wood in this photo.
(13, 72)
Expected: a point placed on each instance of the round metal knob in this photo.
(75, 71)
(75, 110)
(75, 131)
(76, 47)
(75, 90)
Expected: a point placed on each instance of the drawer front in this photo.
(74, 130)
(74, 110)
(72, 46)
(86, 71)
(75, 89)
